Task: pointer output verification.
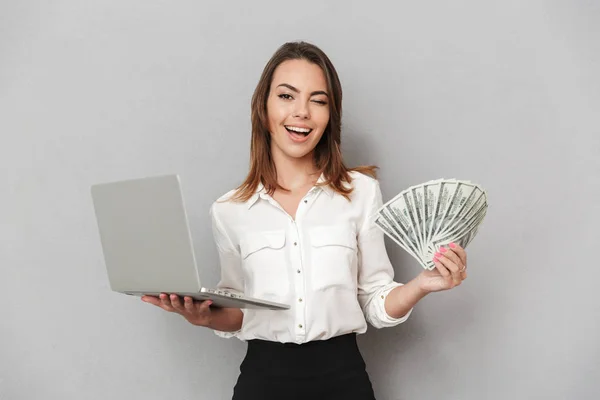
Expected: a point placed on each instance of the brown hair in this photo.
(327, 153)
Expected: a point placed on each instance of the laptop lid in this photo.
(145, 235)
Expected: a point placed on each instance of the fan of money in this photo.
(424, 217)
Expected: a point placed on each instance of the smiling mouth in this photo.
(298, 131)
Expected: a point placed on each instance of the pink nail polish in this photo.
(443, 249)
(452, 245)
(435, 259)
(438, 255)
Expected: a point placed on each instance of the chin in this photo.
(297, 154)
(291, 151)
(294, 152)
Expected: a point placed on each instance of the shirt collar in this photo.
(261, 192)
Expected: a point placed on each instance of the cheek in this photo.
(271, 117)
(272, 123)
(322, 118)
(276, 116)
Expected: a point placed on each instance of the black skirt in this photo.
(323, 369)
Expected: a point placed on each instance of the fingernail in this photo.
(452, 245)
(435, 259)
(438, 255)
(443, 249)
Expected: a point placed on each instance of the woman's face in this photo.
(297, 108)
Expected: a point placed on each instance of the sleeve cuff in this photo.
(227, 335)
(384, 320)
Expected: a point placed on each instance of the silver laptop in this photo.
(147, 244)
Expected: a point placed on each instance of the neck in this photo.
(293, 173)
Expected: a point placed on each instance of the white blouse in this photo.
(330, 263)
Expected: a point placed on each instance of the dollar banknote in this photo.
(424, 217)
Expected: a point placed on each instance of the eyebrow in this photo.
(297, 91)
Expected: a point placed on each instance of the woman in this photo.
(298, 231)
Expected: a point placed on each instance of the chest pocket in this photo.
(334, 255)
(264, 264)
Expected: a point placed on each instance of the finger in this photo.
(188, 304)
(204, 307)
(452, 256)
(462, 254)
(452, 267)
(165, 302)
(440, 267)
(176, 302)
(151, 300)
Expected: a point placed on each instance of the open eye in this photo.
(285, 96)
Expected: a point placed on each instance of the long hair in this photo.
(327, 153)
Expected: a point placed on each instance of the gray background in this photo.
(502, 93)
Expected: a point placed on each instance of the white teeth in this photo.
(299, 130)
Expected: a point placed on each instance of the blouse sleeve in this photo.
(375, 271)
(232, 278)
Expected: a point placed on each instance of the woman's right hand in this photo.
(195, 312)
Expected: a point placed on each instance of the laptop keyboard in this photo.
(225, 293)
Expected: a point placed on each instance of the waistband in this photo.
(342, 340)
(314, 358)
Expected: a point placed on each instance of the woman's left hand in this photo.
(450, 271)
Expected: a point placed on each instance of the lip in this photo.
(297, 139)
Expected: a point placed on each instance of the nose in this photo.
(301, 110)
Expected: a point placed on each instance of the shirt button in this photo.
(300, 326)
(298, 271)
(295, 244)
(300, 300)
(306, 201)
